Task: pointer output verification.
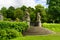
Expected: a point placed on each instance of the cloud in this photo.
(40, 1)
(27, 2)
(43, 2)
(7, 3)
(19, 3)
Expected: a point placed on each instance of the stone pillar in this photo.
(28, 18)
(1, 17)
(39, 19)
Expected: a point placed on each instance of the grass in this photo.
(49, 37)
(53, 27)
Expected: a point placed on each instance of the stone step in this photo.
(37, 31)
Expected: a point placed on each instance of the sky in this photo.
(19, 3)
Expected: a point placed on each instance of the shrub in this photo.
(3, 34)
(9, 34)
(7, 19)
(9, 30)
(19, 26)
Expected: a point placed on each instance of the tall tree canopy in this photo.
(3, 11)
(54, 9)
(23, 8)
(39, 8)
(10, 12)
(19, 13)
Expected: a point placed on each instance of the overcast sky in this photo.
(18, 3)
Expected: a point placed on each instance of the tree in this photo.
(39, 8)
(32, 17)
(30, 9)
(32, 14)
(3, 11)
(10, 12)
(23, 8)
(54, 10)
(19, 14)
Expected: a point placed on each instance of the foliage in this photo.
(32, 16)
(39, 8)
(23, 8)
(3, 11)
(19, 26)
(9, 34)
(48, 15)
(7, 19)
(3, 35)
(10, 12)
(54, 10)
(10, 30)
(54, 27)
(17, 20)
(19, 14)
(30, 9)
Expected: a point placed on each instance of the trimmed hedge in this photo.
(9, 34)
(19, 26)
(10, 30)
(51, 26)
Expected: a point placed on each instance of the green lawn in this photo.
(54, 27)
(49, 37)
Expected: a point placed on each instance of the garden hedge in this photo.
(10, 30)
(19, 26)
